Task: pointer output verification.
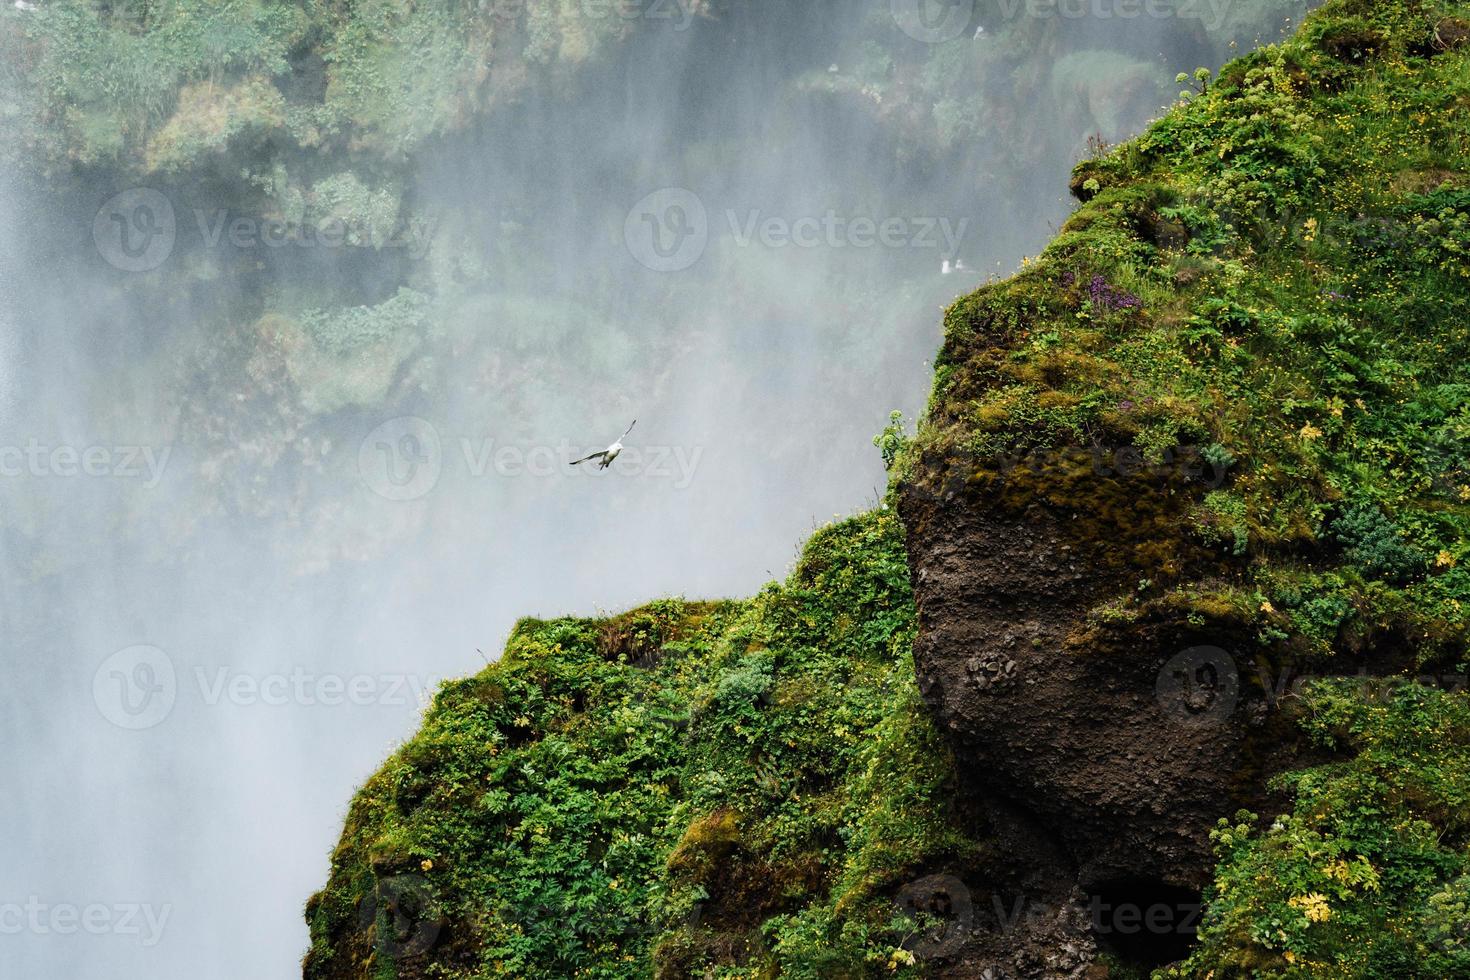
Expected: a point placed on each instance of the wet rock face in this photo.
(1126, 751)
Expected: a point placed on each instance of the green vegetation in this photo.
(1369, 876)
(711, 789)
(347, 331)
(136, 82)
(316, 117)
(1272, 282)
(340, 357)
(1272, 285)
(1275, 274)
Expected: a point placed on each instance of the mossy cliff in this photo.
(685, 785)
(1189, 512)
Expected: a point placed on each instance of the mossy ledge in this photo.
(1227, 408)
(687, 786)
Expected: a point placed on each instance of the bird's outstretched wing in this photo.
(625, 434)
(597, 455)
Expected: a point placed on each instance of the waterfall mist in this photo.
(233, 568)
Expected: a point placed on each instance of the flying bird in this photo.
(609, 454)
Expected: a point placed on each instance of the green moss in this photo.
(121, 71)
(1366, 877)
(693, 784)
(1238, 373)
(207, 117)
(347, 356)
(1276, 273)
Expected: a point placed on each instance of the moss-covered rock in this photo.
(1224, 413)
(710, 787)
(1213, 438)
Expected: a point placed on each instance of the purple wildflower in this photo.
(1110, 297)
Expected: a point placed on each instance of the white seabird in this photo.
(609, 454)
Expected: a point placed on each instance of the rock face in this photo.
(1107, 751)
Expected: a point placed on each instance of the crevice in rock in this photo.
(1145, 923)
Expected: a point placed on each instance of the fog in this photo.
(227, 586)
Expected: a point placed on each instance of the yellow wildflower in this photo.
(1445, 560)
(426, 865)
(1310, 431)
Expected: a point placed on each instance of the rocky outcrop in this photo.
(1109, 632)
(1107, 743)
